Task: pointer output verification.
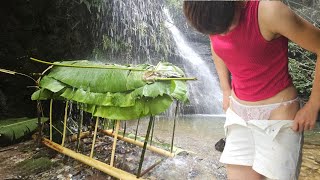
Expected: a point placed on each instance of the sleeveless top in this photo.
(259, 68)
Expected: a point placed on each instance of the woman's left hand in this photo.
(305, 118)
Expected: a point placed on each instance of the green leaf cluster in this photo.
(12, 130)
(115, 91)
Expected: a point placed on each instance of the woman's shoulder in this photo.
(272, 11)
(271, 15)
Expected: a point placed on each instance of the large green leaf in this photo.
(102, 99)
(51, 84)
(179, 90)
(14, 129)
(120, 93)
(142, 107)
(98, 80)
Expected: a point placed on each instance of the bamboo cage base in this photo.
(115, 172)
(108, 169)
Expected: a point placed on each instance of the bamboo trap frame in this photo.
(108, 169)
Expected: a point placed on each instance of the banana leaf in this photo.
(143, 107)
(122, 93)
(98, 80)
(12, 130)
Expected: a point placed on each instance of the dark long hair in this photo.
(210, 17)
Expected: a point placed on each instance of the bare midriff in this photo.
(286, 112)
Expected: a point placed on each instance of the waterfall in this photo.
(205, 93)
(135, 32)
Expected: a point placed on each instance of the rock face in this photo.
(62, 30)
(50, 30)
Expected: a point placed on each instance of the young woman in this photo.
(264, 123)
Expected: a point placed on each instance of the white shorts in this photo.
(271, 147)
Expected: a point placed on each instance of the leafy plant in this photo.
(12, 130)
(301, 68)
(115, 91)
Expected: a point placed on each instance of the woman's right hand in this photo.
(226, 100)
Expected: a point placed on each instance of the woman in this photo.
(264, 123)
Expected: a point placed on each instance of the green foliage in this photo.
(12, 130)
(302, 69)
(122, 92)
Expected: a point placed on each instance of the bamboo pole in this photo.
(140, 144)
(114, 143)
(77, 66)
(112, 171)
(65, 123)
(82, 135)
(50, 116)
(94, 137)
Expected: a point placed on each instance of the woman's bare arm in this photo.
(279, 19)
(224, 77)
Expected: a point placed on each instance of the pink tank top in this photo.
(259, 68)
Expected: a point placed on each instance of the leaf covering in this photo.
(120, 92)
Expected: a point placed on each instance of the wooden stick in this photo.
(174, 125)
(39, 123)
(79, 130)
(151, 167)
(152, 130)
(50, 116)
(65, 123)
(135, 135)
(114, 143)
(57, 130)
(140, 144)
(115, 172)
(94, 137)
(144, 146)
(125, 128)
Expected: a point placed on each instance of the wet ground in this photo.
(197, 160)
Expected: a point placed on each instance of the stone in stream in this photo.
(219, 146)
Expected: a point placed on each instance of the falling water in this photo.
(205, 93)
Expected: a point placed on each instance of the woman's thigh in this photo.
(238, 172)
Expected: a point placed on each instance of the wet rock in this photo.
(183, 153)
(219, 146)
